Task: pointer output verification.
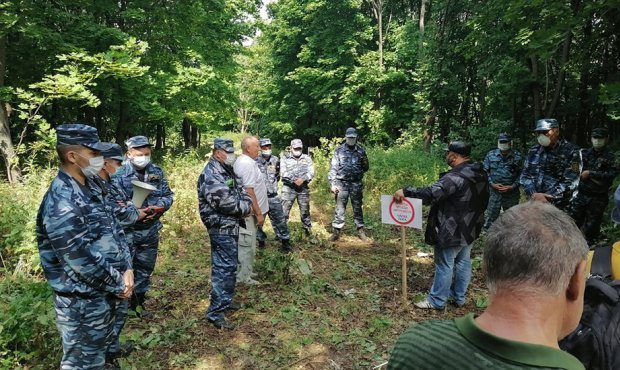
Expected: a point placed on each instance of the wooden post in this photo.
(404, 258)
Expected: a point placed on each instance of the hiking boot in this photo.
(249, 281)
(335, 236)
(222, 324)
(310, 235)
(286, 246)
(111, 361)
(362, 235)
(426, 305)
(140, 308)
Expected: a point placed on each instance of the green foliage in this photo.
(27, 329)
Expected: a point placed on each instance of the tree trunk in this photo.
(186, 131)
(559, 84)
(535, 87)
(422, 15)
(121, 127)
(194, 135)
(159, 136)
(13, 172)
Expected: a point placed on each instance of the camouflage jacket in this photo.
(503, 170)
(554, 171)
(297, 168)
(458, 201)
(271, 169)
(154, 175)
(125, 211)
(348, 164)
(222, 201)
(81, 245)
(603, 169)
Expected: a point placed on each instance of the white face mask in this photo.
(297, 152)
(351, 141)
(266, 153)
(598, 143)
(543, 140)
(230, 159)
(141, 161)
(503, 146)
(94, 166)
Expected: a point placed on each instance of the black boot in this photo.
(335, 236)
(141, 308)
(133, 302)
(286, 246)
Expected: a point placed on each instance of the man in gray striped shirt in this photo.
(535, 261)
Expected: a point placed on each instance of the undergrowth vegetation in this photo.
(325, 306)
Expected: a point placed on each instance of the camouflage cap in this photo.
(351, 132)
(137, 142)
(114, 152)
(459, 147)
(264, 141)
(296, 143)
(225, 144)
(600, 132)
(79, 134)
(504, 137)
(546, 124)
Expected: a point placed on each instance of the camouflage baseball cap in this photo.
(264, 141)
(351, 132)
(80, 134)
(115, 152)
(224, 144)
(137, 142)
(546, 124)
(504, 137)
(600, 132)
(296, 143)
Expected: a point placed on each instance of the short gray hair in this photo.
(533, 247)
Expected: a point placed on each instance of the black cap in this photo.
(460, 147)
(600, 132)
(114, 152)
(80, 134)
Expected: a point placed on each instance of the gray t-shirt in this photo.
(250, 175)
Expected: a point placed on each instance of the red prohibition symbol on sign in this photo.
(402, 213)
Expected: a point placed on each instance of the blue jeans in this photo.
(452, 275)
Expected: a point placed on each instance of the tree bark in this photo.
(559, 84)
(121, 127)
(186, 132)
(194, 135)
(159, 136)
(13, 172)
(535, 87)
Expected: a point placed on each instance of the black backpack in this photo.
(596, 341)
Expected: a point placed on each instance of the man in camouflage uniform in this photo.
(222, 203)
(599, 170)
(503, 167)
(127, 214)
(83, 251)
(345, 177)
(297, 171)
(552, 167)
(146, 232)
(270, 166)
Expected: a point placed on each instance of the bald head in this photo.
(250, 147)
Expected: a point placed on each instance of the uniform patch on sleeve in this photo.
(574, 166)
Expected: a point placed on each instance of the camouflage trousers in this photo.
(120, 317)
(346, 190)
(278, 221)
(223, 271)
(497, 202)
(247, 249)
(86, 327)
(145, 244)
(587, 211)
(303, 201)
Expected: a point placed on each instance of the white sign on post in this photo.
(407, 213)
